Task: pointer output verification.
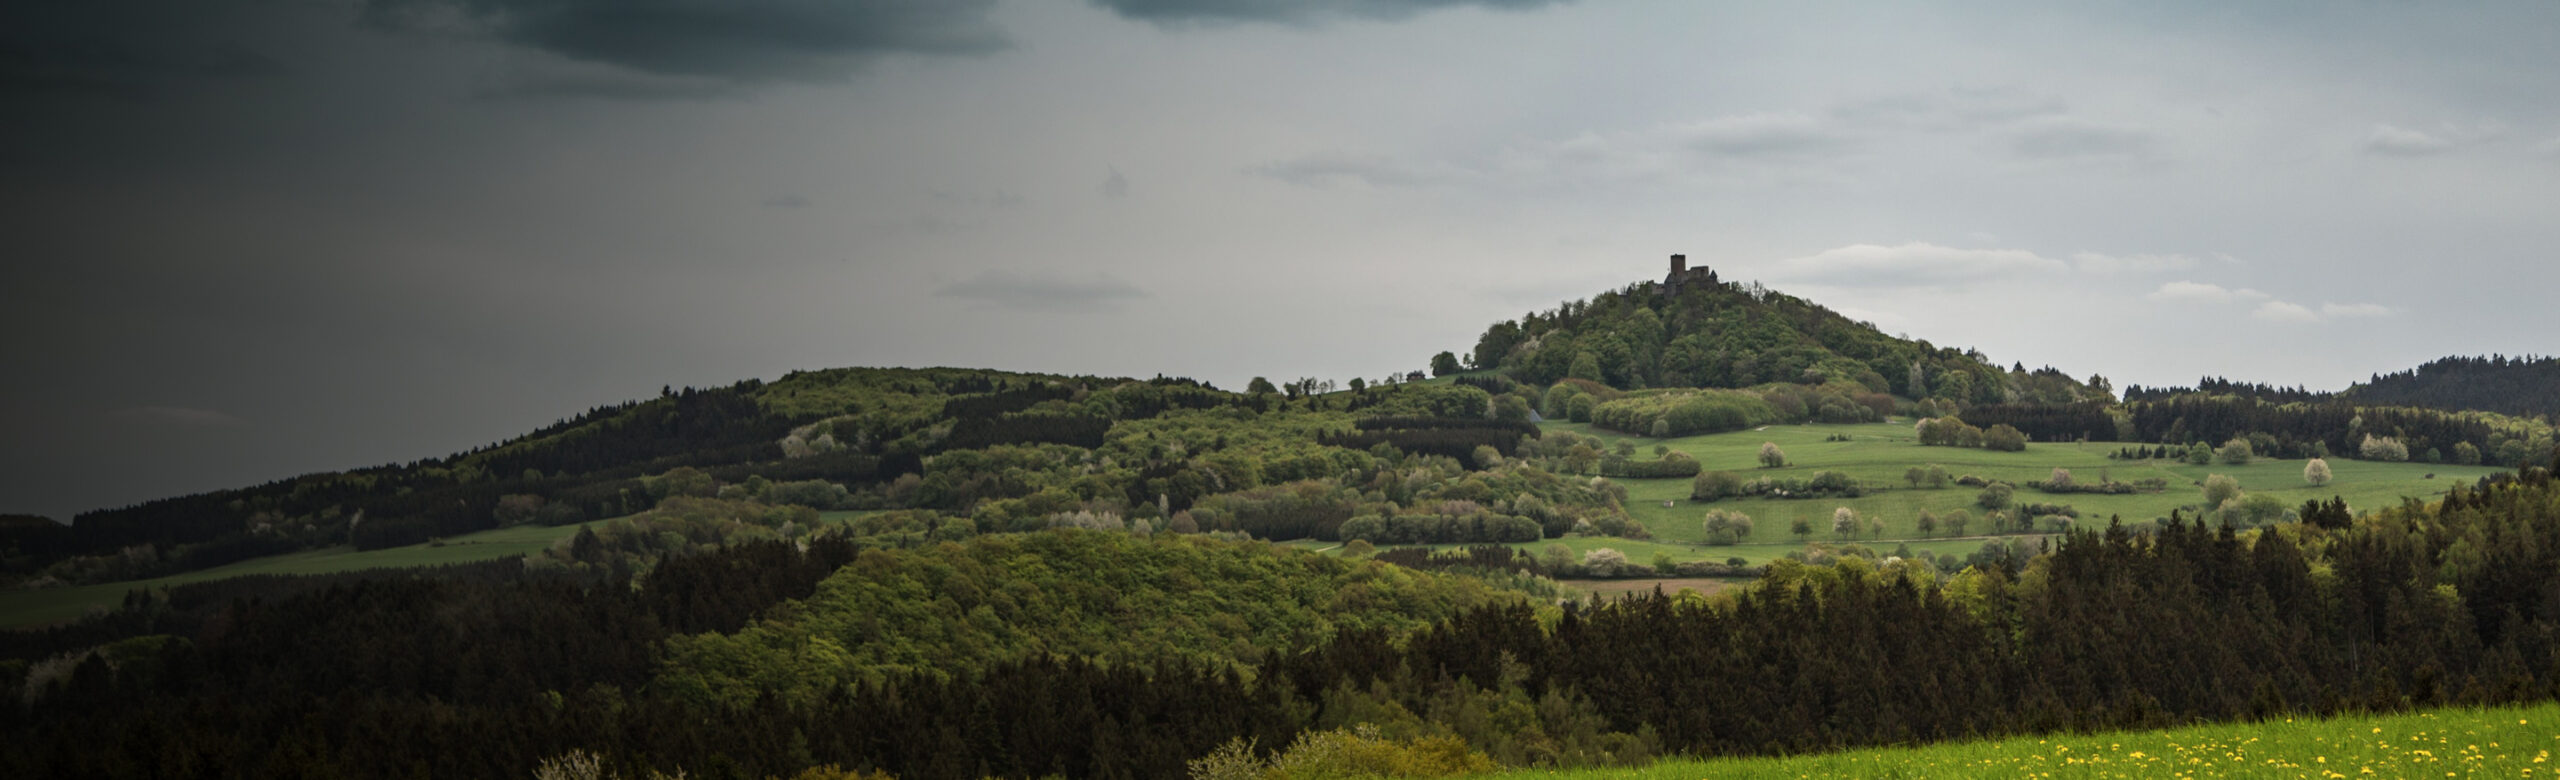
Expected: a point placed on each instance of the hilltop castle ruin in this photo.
(1682, 275)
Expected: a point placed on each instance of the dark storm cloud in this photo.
(1294, 11)
(131, 48)
(177, 416)
(1042, 290)
(742, 40)
(612, 86)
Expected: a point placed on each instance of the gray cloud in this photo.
(2355, 310)
(785, 202)
(2284, 312)
(1043, 290)
(133, 48)
(1325, 170)
(1171, 12)
(176, 416)
(742, 40)
(1115, 187)
(2202, 292)
(1913, 264)
(1764, 135)
(1955, 109)
(2103, 264)
(2395, 141)
(2064, 140)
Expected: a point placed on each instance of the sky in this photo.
(249, 239)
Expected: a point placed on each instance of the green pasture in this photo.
(23, 608)
(2499, 742)
(1877, 455)
(20, 608)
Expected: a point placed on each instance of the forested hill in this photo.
(1712, 334)
(2520, 386)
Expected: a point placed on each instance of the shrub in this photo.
(2004, 438)
(1995, 496)
(1604, 562)
(2383, 448)
(1715, 485)
(2219, 489)
(2235, 452)
(1676, 465)
(1770, 456)
(1725, 527)
(1357, 752)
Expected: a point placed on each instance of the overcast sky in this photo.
(254, 238)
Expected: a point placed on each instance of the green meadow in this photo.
(54, 605)
(23, 608)
(2498, 742)
(1878, 454)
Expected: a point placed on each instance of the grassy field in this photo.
(21, 608)
(2504, 742)
(1877, 454)
(25, 608)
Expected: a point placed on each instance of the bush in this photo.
(1358, 752)
(1604, 562)
(1725, 527)
(1995, 496)
(1467, 528)
(2383, 449)
(2235, 452)
(1674, 466)
(1828, 484)
(2004, 438)
(2219, 489)
(1715, 485)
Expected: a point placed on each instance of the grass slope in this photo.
(1876, 455)
(2500, 742)
(30, 608)
(22, 608)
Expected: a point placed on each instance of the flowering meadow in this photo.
(2515, 742)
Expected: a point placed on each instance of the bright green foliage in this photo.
(951, 608)
(2219, 488)
(1684, 413)
(1356, 752)
(1726, 527)
(2235, 452)
(2500, 742)
(680, 525)
(1719, 335)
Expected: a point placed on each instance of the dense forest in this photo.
(966, 573)
(488, 675)
(2520, 386)
(1732, 335)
